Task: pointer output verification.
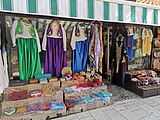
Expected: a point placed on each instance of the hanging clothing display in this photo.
(130, 42)
(26, 37)
(80, 48)
(119, 59)
(147, 37)
(96, 48)
(54, 43)
(4, 79)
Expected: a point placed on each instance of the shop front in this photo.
(55, 54)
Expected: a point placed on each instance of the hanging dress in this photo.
(54, 43)
(96, 49)
(79, 44)
(147, 37)
(26, 37)
(130, 42)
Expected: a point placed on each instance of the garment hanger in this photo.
(55, 21)
(96, 22)
(26, 20)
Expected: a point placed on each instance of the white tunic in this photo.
(54, 28)
(4, 80)
(25, 34)
(75, 38)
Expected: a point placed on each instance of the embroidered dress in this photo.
(26, 37)
(147, 37)
(96, 49)
(79, 44)
(54, 42)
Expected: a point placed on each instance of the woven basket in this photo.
(30, 87)
(36, 116)
(30, 101)
(76, 109)
(85, 92)
(71, 83)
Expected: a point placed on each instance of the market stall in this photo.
(61, 43)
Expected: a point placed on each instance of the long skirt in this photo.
(80, 56)
(55, 59)
(28, 58)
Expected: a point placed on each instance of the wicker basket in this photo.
(88, 106)
(8, 91)
(85, 92)
(36, 116)
(76, 109)
(71, 83)
(29, 101)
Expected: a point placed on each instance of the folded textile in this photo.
(19, 95)
(9, 111)
(21, 110)
(43, 81)
(34, 108)
(73, 101)
(95, 96)
(45, 106)
(56, 105)
(36, 93)
(105, 96)
(87, 99)
(43, 76)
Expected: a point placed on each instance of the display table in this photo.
(143, 91)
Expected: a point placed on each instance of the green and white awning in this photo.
(104, 10)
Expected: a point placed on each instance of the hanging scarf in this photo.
(93, 49)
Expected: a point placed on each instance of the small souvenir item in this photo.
(67, 71)
(43, 76)
(57, 105)
(157, 43)
(62, 79)
(21, 110)
(69, 78)
(17, 83)
(52, 79)
(82, 73)
(33, 81)
(45, 106)
(35, 93)
(96, 81)
(19, 95)
(34, 108)
(9, 111)
(48, 92)
(43, 81)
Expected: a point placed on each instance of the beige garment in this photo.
(147, 37)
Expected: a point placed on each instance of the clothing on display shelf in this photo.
(54, 42)
(147, 37)
(96, 48)
(26, 37)
(80, 48)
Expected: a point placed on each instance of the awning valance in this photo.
(104, 10)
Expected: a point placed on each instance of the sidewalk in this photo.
(132, 109)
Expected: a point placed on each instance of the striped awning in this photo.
(104, 10)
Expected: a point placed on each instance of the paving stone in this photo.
(88, 118)
(83, 115)
(150, 118)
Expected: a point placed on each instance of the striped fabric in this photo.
(103, 10)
